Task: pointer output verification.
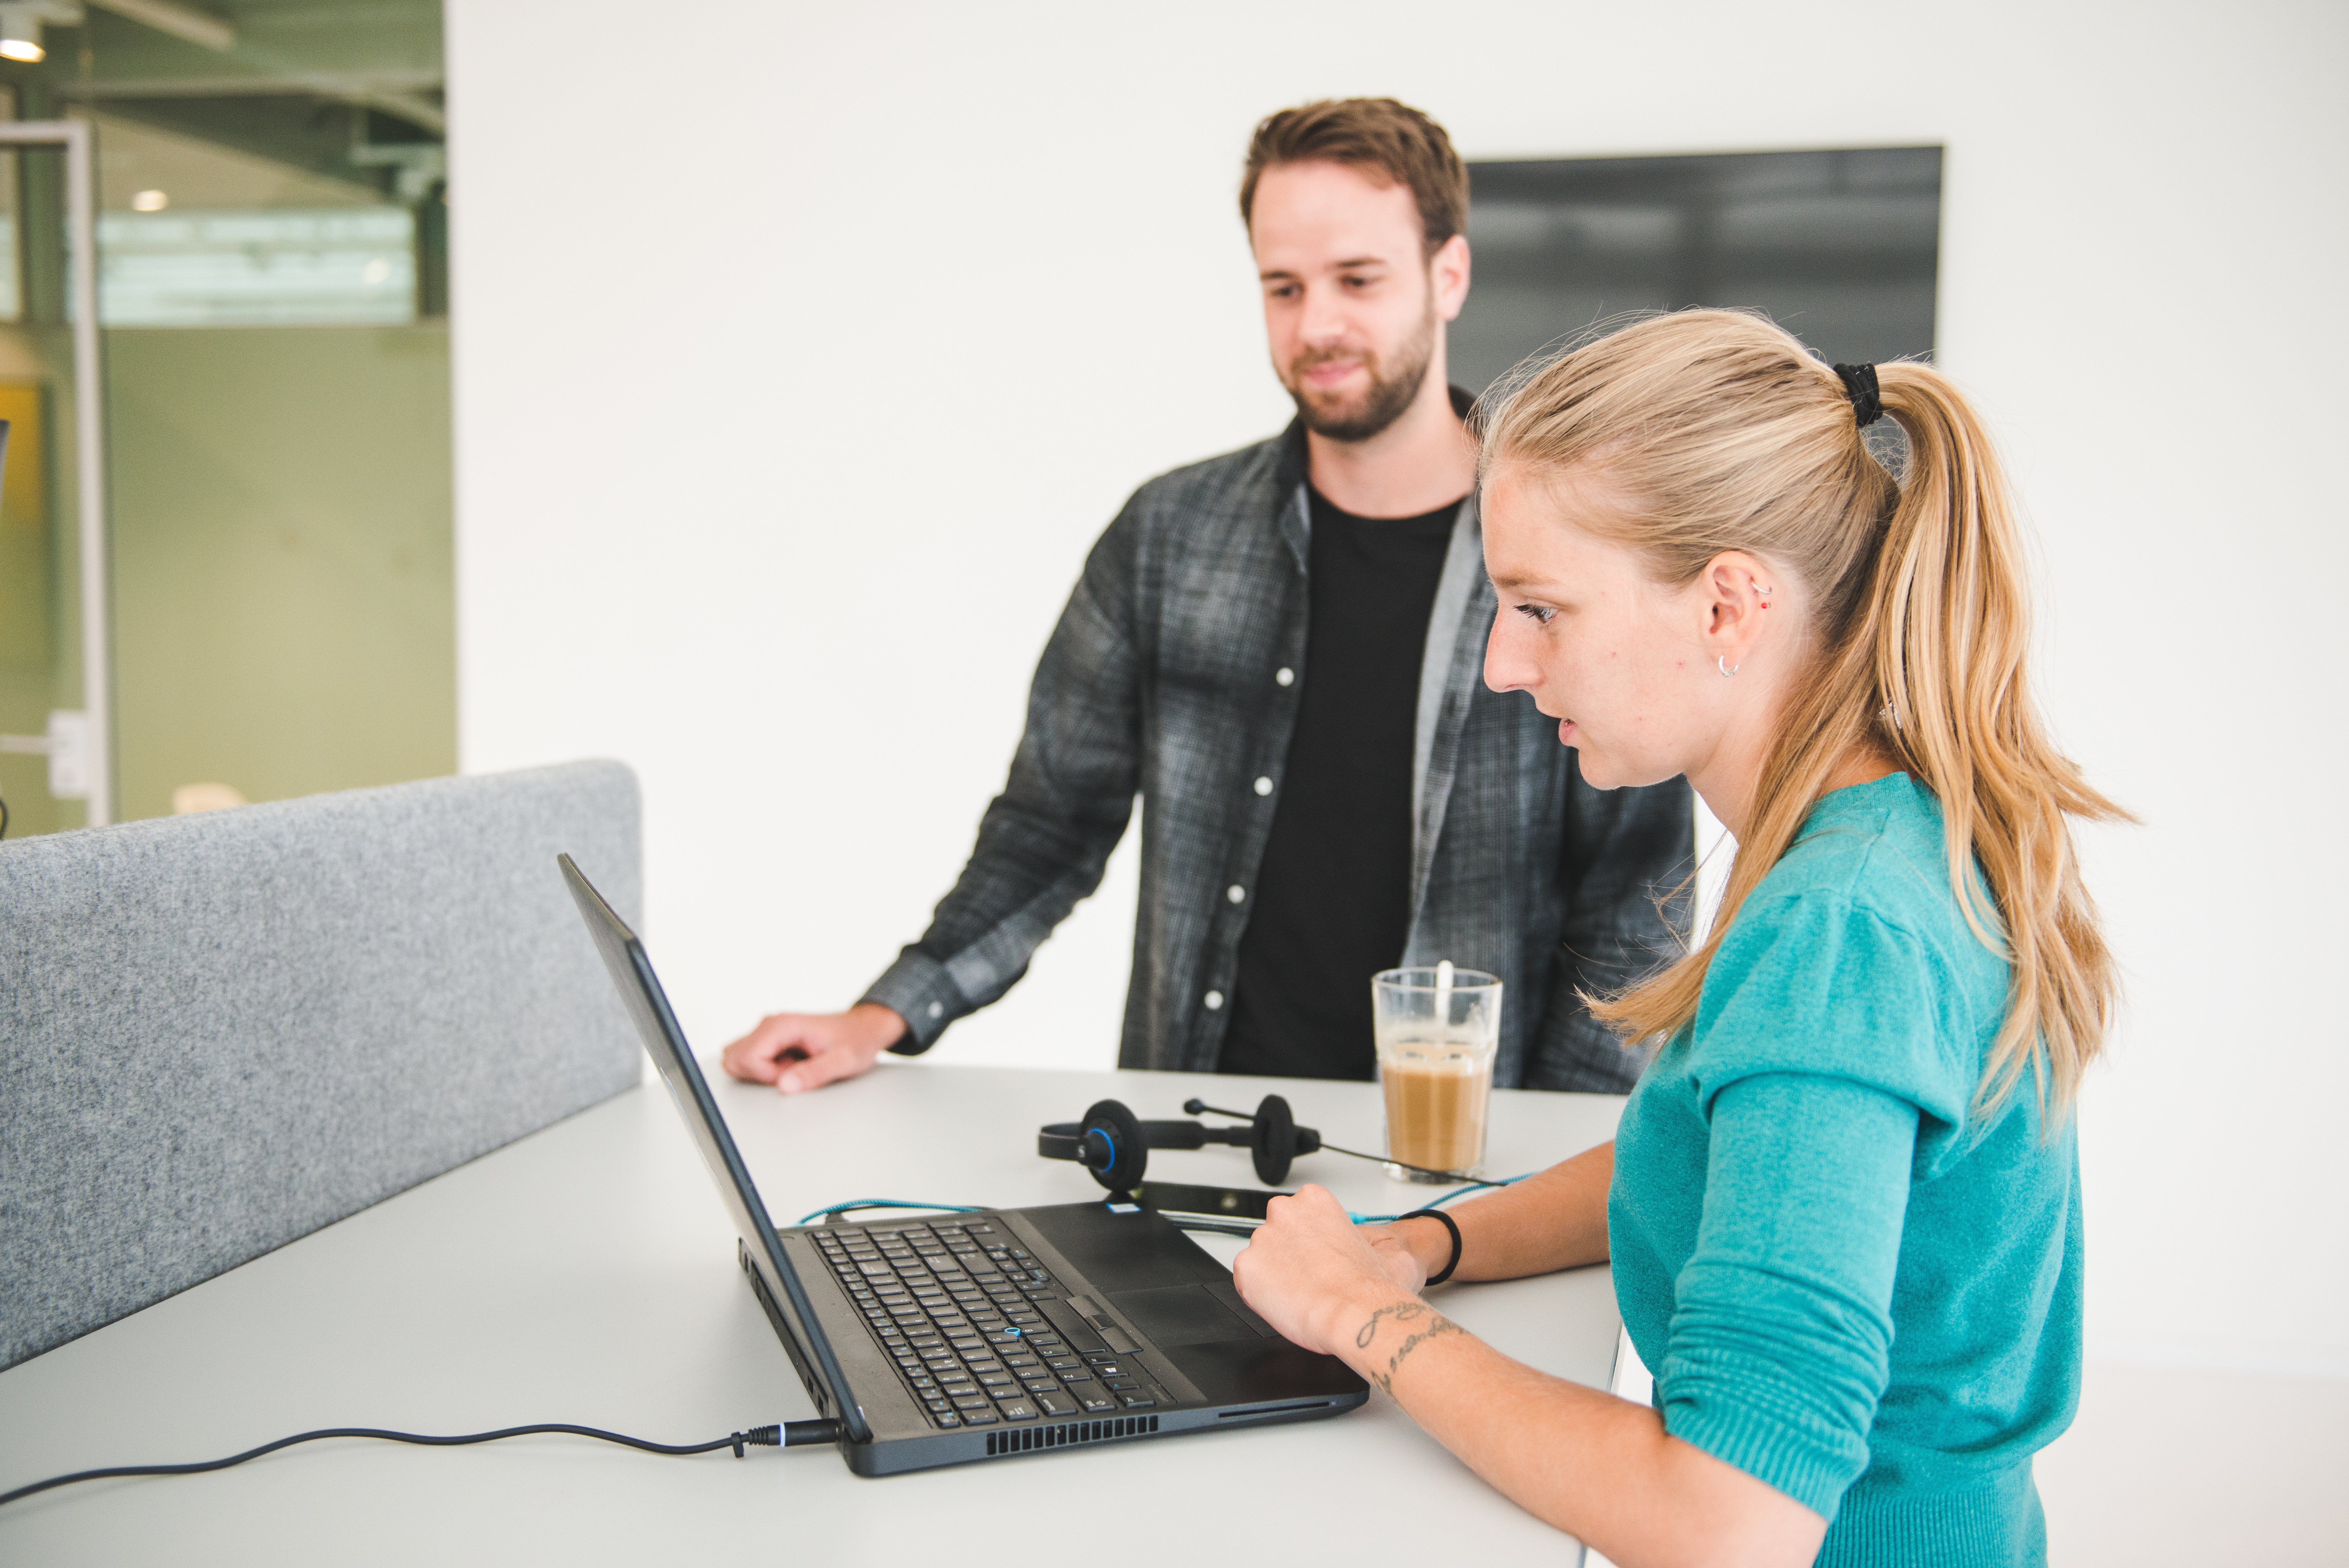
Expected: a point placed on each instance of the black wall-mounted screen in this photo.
(1839, 247)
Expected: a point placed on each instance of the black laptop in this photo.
(979, 1335)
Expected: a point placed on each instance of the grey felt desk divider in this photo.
(220, 1032)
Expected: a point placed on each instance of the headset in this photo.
(1115, 1146)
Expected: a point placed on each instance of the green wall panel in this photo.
(285, 603)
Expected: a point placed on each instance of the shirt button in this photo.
(1236, 893)
(1283, 676)
(1263, 786)
(1214, 1001)
(937, 1010)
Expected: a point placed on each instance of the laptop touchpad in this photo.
(1181, 1315)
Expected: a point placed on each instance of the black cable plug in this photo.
(790, 1435)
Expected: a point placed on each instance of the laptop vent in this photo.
(1019, 1440)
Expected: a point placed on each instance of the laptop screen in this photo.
(640, 992)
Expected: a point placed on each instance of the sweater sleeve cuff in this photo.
(1779, 1452)
(917, 987)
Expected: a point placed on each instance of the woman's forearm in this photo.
(1555, 1219)
(1584, 1461)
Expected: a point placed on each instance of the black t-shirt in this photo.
(1332, 897)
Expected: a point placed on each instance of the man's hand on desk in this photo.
(796, 1050)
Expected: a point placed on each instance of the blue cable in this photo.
(1440, 1202)
(814, 1215)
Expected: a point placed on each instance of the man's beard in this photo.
(1381, 402)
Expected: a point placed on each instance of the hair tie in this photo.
(1859, 386)
(1449, 1224)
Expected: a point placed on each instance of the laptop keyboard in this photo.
(960, 1309)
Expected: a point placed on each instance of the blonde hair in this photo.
(1719, 432)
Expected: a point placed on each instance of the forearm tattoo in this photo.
(1404, 1312)
(1401, 1312)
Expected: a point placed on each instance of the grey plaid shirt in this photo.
(1174, 673)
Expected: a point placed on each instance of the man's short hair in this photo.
(1392, 143)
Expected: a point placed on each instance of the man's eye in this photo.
(1540, 613)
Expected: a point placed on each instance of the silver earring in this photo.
(1727, 668)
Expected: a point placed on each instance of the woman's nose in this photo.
(1509, 667)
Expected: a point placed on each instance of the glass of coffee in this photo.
(1437, 1030)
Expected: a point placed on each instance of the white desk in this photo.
(587, 1274)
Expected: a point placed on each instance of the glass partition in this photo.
(272, 264)
(45, 538)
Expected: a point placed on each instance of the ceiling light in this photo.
(149, 201)
(20, 36)
(21, 22)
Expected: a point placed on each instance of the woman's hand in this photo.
(1314, 1277)
(1393, 1253)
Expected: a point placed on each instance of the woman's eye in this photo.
(1540, 613)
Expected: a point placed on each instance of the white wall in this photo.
(801, 351)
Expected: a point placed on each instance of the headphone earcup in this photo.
(1273, 1140)
(1110, 1129)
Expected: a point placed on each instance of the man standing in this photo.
(1281, 651)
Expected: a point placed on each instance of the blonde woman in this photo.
(1843, 1206)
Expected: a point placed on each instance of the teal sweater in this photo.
(1847, 1284)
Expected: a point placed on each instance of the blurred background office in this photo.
(272, 248)
(799, 352)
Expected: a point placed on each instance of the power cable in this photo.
(788, 1434)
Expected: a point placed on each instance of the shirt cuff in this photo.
(917, 987)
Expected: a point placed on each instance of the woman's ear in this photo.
(1736, 592)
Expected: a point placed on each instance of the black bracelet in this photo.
(1449, 1224)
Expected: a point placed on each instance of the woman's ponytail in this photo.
(1950, 610)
